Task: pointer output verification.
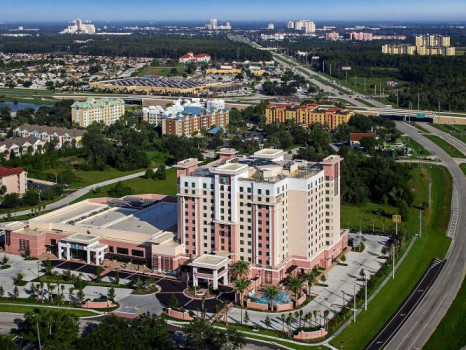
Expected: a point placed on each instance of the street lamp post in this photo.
(393, 261)
(354, 303)
(365, 291)
(420, 223)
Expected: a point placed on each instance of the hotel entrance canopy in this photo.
(85, 242)
(210, 267)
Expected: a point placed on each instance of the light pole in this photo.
(420, 223)
(365, 291)
(393, 261)
(354, 303)
(343, 298)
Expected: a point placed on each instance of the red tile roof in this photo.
(10, 171)
(202, 55)
(358, 136)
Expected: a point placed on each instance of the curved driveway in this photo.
(424, 320)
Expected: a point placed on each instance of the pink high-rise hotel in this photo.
(282, 216)
(278, 215)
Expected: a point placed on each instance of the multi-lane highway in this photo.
(418, 328)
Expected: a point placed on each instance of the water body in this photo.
(19, 105)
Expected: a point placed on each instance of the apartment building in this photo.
(99, 110)
(60, 136)
(278, 215)
(20, 146)
(152, 114)
(190, 57)
(306, 115)
(14, 179)
(186, 118)
(399, 49)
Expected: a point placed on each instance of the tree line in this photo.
(159, 46)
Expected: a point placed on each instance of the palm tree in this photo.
(51, 289)
(272, 292)
(309, 318)
(41, 291)
(310, 278)
(240, 268)
(241, 285)
(282, 316)
(315, 316)
(295, 284)
(326, 313)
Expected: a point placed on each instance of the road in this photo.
(81, 192)
(426, 317)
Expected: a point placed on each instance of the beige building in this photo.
(103, 110)
(14, 179)
(399, 49)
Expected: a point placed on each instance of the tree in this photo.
(10, 200)
(16, 292)
(326, 313)
(120, 190)
(57, 329)
(31, 197)
(246, 317)
(173, 302)
(295, 284)
(149, 174)
(323, 278)
(2, 292)
(241, 285)
(81, 296)
(362, 273)
(6, 343)
(310, 278)
(161, 173)
(19, 278)
(267, 322)
(148, 331)
(272, 292)
(117, 277)
(343, 258)
(200, 334)
(240, 268)
(3, 190)
(5, 259)
(111, 294)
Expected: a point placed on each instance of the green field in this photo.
(463, 167)
(140, 185)
(365, 102)
(161, 70)
(433, 244)
(452, 151)
(450, 332)
(458, 131)
(36, 101)
(21, 309)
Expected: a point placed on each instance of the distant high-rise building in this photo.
(309, 27)
(360, 36)
(98, 110)
(399, 49)
(434, 45)
(332, 36)
(79, 28)
(213, 23)
(299, 25)
(290, 25)
(271, 26)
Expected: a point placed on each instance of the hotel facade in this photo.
(281, 216)
(103, 110)
(307, 115)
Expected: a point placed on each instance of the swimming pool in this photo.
(281, 298)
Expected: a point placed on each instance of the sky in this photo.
(239, 10)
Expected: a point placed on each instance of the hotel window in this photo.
(139, 253)
(122, 251)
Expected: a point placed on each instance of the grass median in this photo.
(21, 309)
(450, 333)
(452, 151)
(433, 244)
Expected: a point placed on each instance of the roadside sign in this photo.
(396, 219)
(346, 68)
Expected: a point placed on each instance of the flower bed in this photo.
(258, 306)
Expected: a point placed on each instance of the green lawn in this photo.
(433, 244)
(452, 151)
(365, 102)
(161, 70)
(463, 167)
(417, 126)
(21, 309)
(364, 216)
(140, 185)
(87, 178)
(450, 332)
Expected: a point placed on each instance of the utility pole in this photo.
(364, 84)
(397, 106)
(354, 303)
(343, 298)
(418, 101)
(330, 69)
(375, 89)
(346, 76)
(380, 90)
(420, 223)
(393, 259)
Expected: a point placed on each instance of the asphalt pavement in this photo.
(418, 328)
